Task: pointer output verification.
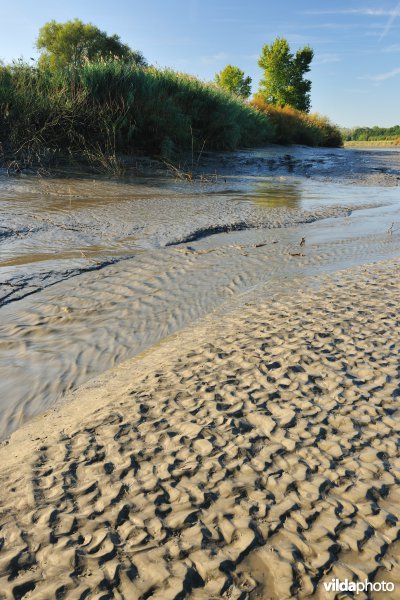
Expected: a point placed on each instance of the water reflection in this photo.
(276, 194)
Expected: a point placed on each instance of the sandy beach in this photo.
(250, 456)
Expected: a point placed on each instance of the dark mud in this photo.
(55, 228)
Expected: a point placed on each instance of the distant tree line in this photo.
(371, 134)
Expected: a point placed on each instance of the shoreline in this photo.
(199, 466)
(372, 144)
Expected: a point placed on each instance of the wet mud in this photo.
(94, 270)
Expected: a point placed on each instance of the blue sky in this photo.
(355, 72)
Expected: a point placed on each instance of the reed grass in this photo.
(296, 127)
(104, 109)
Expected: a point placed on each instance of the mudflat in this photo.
(93, 271)
(252, 456)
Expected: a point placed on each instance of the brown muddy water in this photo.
(94, 271)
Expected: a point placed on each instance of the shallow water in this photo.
(94, 271)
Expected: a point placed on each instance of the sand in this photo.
(253, 456)
(94, 271)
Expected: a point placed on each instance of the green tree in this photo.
(233, 79)
(72, 43)
(283, 82)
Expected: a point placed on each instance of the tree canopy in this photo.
(233, 79)
(74, 42)
(283, 82)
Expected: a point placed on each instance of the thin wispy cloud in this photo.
(325, 58)
(299, 38)
(353, 90)
(392, 14)
(227, 20)
(382, 76)
(213, 58)
(389, 24)
(368, 12)
(332, 26)
(392, 49)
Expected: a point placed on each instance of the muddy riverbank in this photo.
(94, 271)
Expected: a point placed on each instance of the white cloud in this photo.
(390, 22)
(392, 14)
(329, 25)
(325, 58)
(227, 20)
(394, 48)
(368, 12)
(354, 90)
(382, 76)
(213, 58)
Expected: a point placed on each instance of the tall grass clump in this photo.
(110, 107)
(296, 127)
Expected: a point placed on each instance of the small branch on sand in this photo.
(391, 229)
(178, 172)
(189, 175)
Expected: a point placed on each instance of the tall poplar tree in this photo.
(284, 82)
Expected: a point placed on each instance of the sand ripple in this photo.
(252, 458)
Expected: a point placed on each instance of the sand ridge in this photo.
(254, 457)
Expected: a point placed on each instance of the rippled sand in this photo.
(253, 456)
(95, 271)
(57, 339)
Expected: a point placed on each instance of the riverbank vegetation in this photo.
(383, 135)
(92, 98)
(293, 126)
(374, 144)
(112, 107)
